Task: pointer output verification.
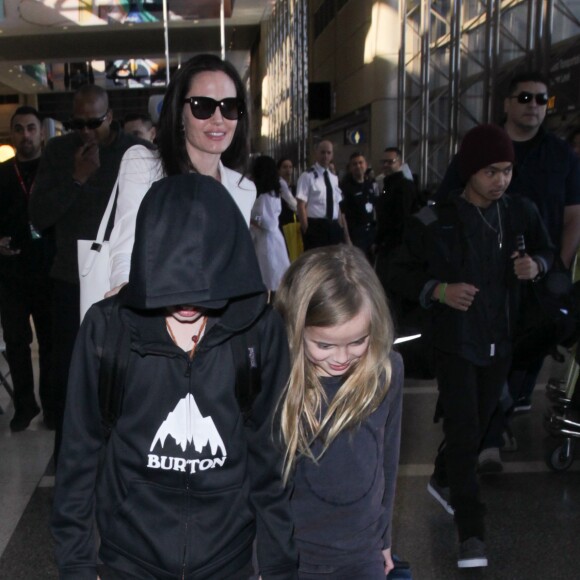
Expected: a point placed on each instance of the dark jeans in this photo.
(521, 383)
(19, 300)
(322, 232)
(66, 322)
(468, 396)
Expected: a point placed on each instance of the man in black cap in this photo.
(466, 260)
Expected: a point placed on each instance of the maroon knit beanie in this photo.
(483, 146)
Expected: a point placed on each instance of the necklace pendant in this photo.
(499, 242)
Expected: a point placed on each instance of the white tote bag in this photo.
(93, 259)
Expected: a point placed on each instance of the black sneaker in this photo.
(21, 420)
(472, 554)
(441, 494)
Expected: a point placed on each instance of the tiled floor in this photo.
(533, 521)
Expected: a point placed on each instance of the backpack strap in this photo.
(246, 352)
(113, 369)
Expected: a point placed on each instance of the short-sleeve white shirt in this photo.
(312, 190)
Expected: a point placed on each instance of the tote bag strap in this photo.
(108, 220)
(103, 234)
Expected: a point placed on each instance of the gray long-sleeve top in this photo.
(343, 504)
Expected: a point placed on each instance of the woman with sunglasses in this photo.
(203, 128)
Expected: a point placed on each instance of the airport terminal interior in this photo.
(363, 74)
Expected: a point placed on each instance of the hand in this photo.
(87, 161)
(114, 290)
(5, 249)
(525, 267)
(388, 560)
(459, 295)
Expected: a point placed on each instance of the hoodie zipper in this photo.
(186, 510)
(187, 482)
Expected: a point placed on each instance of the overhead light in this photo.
(6, 152)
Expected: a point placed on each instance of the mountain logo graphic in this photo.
(187, 425)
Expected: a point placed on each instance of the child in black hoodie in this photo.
(186, 480)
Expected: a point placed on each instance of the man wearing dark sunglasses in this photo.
(75, 177)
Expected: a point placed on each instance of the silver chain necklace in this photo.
(500, 232)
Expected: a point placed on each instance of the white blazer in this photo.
(140, 168)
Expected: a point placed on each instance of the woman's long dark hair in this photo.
(170, 133)
(265, 175)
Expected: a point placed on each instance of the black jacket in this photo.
(74, 211)
(441, 245)
(185, 482)
(36, 253)
(394, 207)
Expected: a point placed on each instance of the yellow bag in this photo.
(293, 237)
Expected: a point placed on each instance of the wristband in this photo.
(442, 289)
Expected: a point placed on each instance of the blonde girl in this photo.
(341, 414)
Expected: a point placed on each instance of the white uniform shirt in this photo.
(312, 190)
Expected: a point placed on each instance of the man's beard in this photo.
(27, 150)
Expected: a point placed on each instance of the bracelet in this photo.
(442, 289)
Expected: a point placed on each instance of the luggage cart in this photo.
(563, 421)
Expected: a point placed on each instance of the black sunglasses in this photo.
(203, 108)
(90, 124)
(525, 97)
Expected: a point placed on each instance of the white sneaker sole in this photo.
(472, 563)
(446, 506)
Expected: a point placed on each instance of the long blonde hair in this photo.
(327, 287)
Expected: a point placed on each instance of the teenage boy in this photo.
(467, 259)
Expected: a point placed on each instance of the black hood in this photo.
(192, 246)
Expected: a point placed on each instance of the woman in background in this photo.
(268, 239)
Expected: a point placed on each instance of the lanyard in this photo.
(21, 181)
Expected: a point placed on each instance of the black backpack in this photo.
(115, 361)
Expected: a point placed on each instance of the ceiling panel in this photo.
(57, 31)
